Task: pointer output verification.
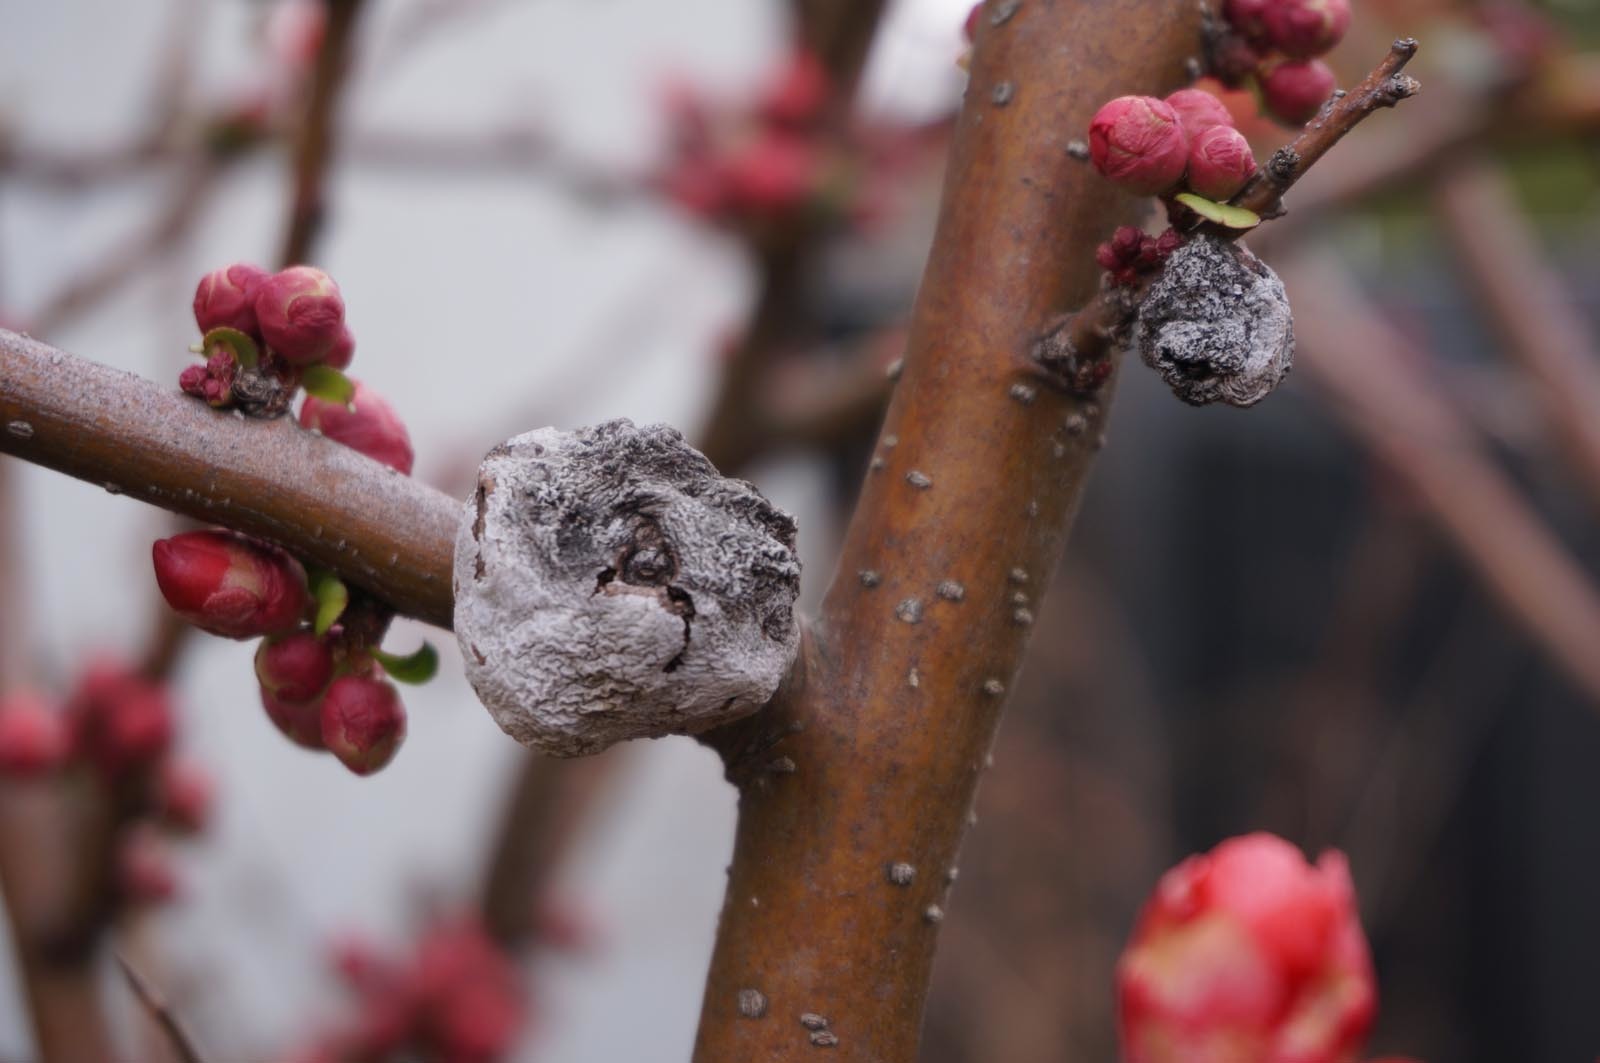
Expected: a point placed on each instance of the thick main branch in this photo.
(325, 503)
(856, 782)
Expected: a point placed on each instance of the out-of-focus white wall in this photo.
(482, 305)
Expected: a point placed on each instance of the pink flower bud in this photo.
(372, 427)
(1248, 952)
(296, 667)
(301, 314)
(798, 93)
(226, 298)
(145, 875)
(211, 381)
(34, 737)
(1303, 29)
(1234, 61)
(774, 173)
(120, 721)
(363, 722)
(230, 585)
(1138, 142)
(470, 989)
(1220, 163)
(344, 350)
(185, 792)
(300, 721)
(1198, 111)
(1295, 92)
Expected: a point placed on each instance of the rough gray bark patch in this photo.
(611, 584)
(1216, 325)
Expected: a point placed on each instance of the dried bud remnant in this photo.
(1216, 325)
(611, 584)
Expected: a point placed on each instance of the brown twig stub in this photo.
(155, 1002)
(387, 533)
(885, 713)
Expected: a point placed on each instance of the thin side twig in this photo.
(155, 1003)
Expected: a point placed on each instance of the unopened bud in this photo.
(776, 172)
(34, 738)
(1198, 111)
(230, 585)
(1247, 17)
(343, 351)
(969, 28)
(301, 314)
(371, 427)
(798, 92)
(300, 721)
(120, 721)
(145, 875)
(1220, 163)
(296, 667)
(1295, 92)
(184, 796)
(1138, 142)
(226, 298)
(363, 722)
(1304, 29)
(212, 380)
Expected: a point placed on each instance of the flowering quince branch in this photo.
(155, 1002)
(1076, 348)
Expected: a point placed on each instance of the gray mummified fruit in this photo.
(1216, 325)
(611, 584)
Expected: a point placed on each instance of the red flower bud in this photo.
(1234, 60)
(372, 427)
(296, 667)
(230, 585)
(1295, 92)
(300, 721)
(301, 314)
(470, 990)
(144, 869)
(798, 93)
(185, 792)
(119, 720)
(226, 298)
(774, 173)
(1303, 29)
(1138, 142)
(1198, 111)
(34, 737)
(363, 722)
(1220, 163)
(1248, 952)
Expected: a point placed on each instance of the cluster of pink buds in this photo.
(1156, 147)
(762, 163)
(1276, 44)
(457, 997)
(1132, 254)
(324, 681)
(1248, 952)
(265, 335)
(115, 727)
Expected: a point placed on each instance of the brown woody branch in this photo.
(1089, 333)
(899, 689)
(387, 533)
(161, 1013)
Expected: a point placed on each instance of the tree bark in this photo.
(856, 782)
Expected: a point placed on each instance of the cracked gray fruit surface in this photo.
(611, 584)
(1216, 325)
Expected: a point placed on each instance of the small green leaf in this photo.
(332, 596)
(328, 384)
(236, 343)
(1221, 213)
(419, 667)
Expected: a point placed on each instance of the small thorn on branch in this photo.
(155, 1003)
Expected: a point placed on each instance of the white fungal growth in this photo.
(1216, 325)
(611, 584)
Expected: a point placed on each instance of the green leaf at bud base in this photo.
(329, 385)
(417, 668)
